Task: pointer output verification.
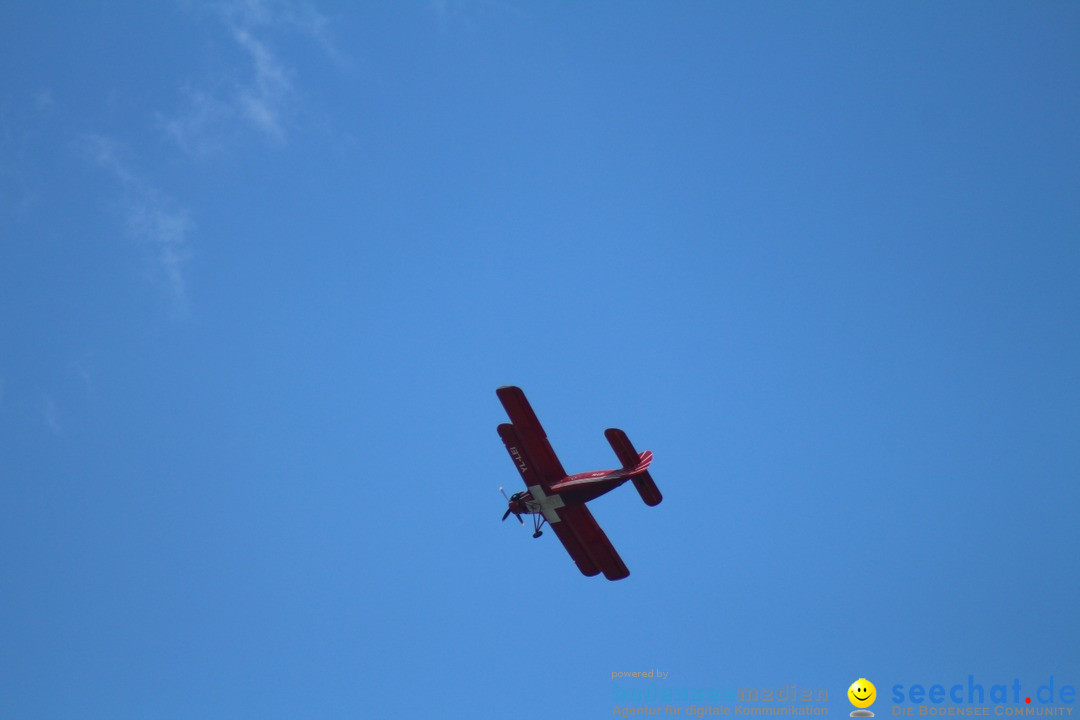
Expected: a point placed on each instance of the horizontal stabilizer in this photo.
(629, 457)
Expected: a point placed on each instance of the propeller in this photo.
(508, 510)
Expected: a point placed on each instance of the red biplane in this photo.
(559, 500)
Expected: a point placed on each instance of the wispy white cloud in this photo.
(43, 99)
(198, 129)
(294, 15)
(165, 231)
(83, 369)
(19, 169)
(152, 219)
(262, 101)
(50, 416)
(260, 94)
(470, 14)
(256, 94)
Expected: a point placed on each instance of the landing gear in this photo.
(538, 522)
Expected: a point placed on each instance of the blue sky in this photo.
(263, 265)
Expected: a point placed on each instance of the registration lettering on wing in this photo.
(520, 460)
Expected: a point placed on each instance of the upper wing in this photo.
(516, 448)
(544, 467)
(562, 529)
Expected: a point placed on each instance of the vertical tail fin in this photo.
(630, 458)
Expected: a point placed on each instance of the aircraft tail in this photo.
(630, 458)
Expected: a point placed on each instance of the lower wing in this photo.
(590, 542)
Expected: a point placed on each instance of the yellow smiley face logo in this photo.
(862, 693)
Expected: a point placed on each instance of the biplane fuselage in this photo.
(559, 499)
